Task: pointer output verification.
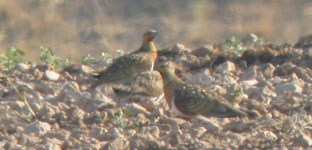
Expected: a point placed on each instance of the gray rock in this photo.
(52, 146)
(158, 112)
(203, 51)
(226, 68)
(250, 73)
(268, 70)
(303, 141)
(179, 48)
(203, 78)
(37, 128)
(145, 143)
(23, 67)
(117, 144)
(18, 106)
(154, 130)
(289, 88)
(175, 138)
(135, 109)
(207, 123)
(268, 135)
(22, 139)
(198, 131)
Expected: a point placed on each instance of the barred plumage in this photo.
(191, 100)
(126, 66)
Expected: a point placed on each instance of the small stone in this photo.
(158, 112)
(18, 105)
(288, 87)
(175, 138)
(135, 109)
(48, 111)
(202, 78)
(250, 73)
(303, 140)
(111, 134)
(51, 75)
(117, 144)
(208, 124)
(130, 132)
(23, 67)
(267, 135)
(218, 89)
(154, 130)
(198, 131)
(95, 117)
(37, 128)
(22, 139)
(52, 146)
(144, 143)
(250, 82)
(179, 48)
(268, 70)
(203, 51)
(226, 68)
(100, 104)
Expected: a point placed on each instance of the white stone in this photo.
(51, 75)
(23, 67)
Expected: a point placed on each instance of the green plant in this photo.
(120, 52)
(88, 60)
(11, 57)
(107, 57)
(257, 41)
(233, 44)
(119, 116)
(48, 57)
(237, 93)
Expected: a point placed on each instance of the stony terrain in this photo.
(273, 80)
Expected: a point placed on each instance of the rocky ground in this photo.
(42, 110)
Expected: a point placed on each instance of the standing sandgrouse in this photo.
(126, 66)
(145, 88)
(190, 100)
(148, 83)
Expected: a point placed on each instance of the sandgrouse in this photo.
(126, 66)
(144, 88)
(148, 83)
(188, 100)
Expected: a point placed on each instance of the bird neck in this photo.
(149, 45)
(171, 78)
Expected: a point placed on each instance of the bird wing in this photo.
(126, 66)
(146, 83)
(224, 108)
(193, 99)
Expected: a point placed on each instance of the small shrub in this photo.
(11, 57)
(48, 58)
(233, 44)
(257, 41)
(88, 60)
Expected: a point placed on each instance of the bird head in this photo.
(149, 35)
(165, 68)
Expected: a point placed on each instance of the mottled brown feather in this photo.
(126, 66)
(191, 100)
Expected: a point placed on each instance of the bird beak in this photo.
(153, 33)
